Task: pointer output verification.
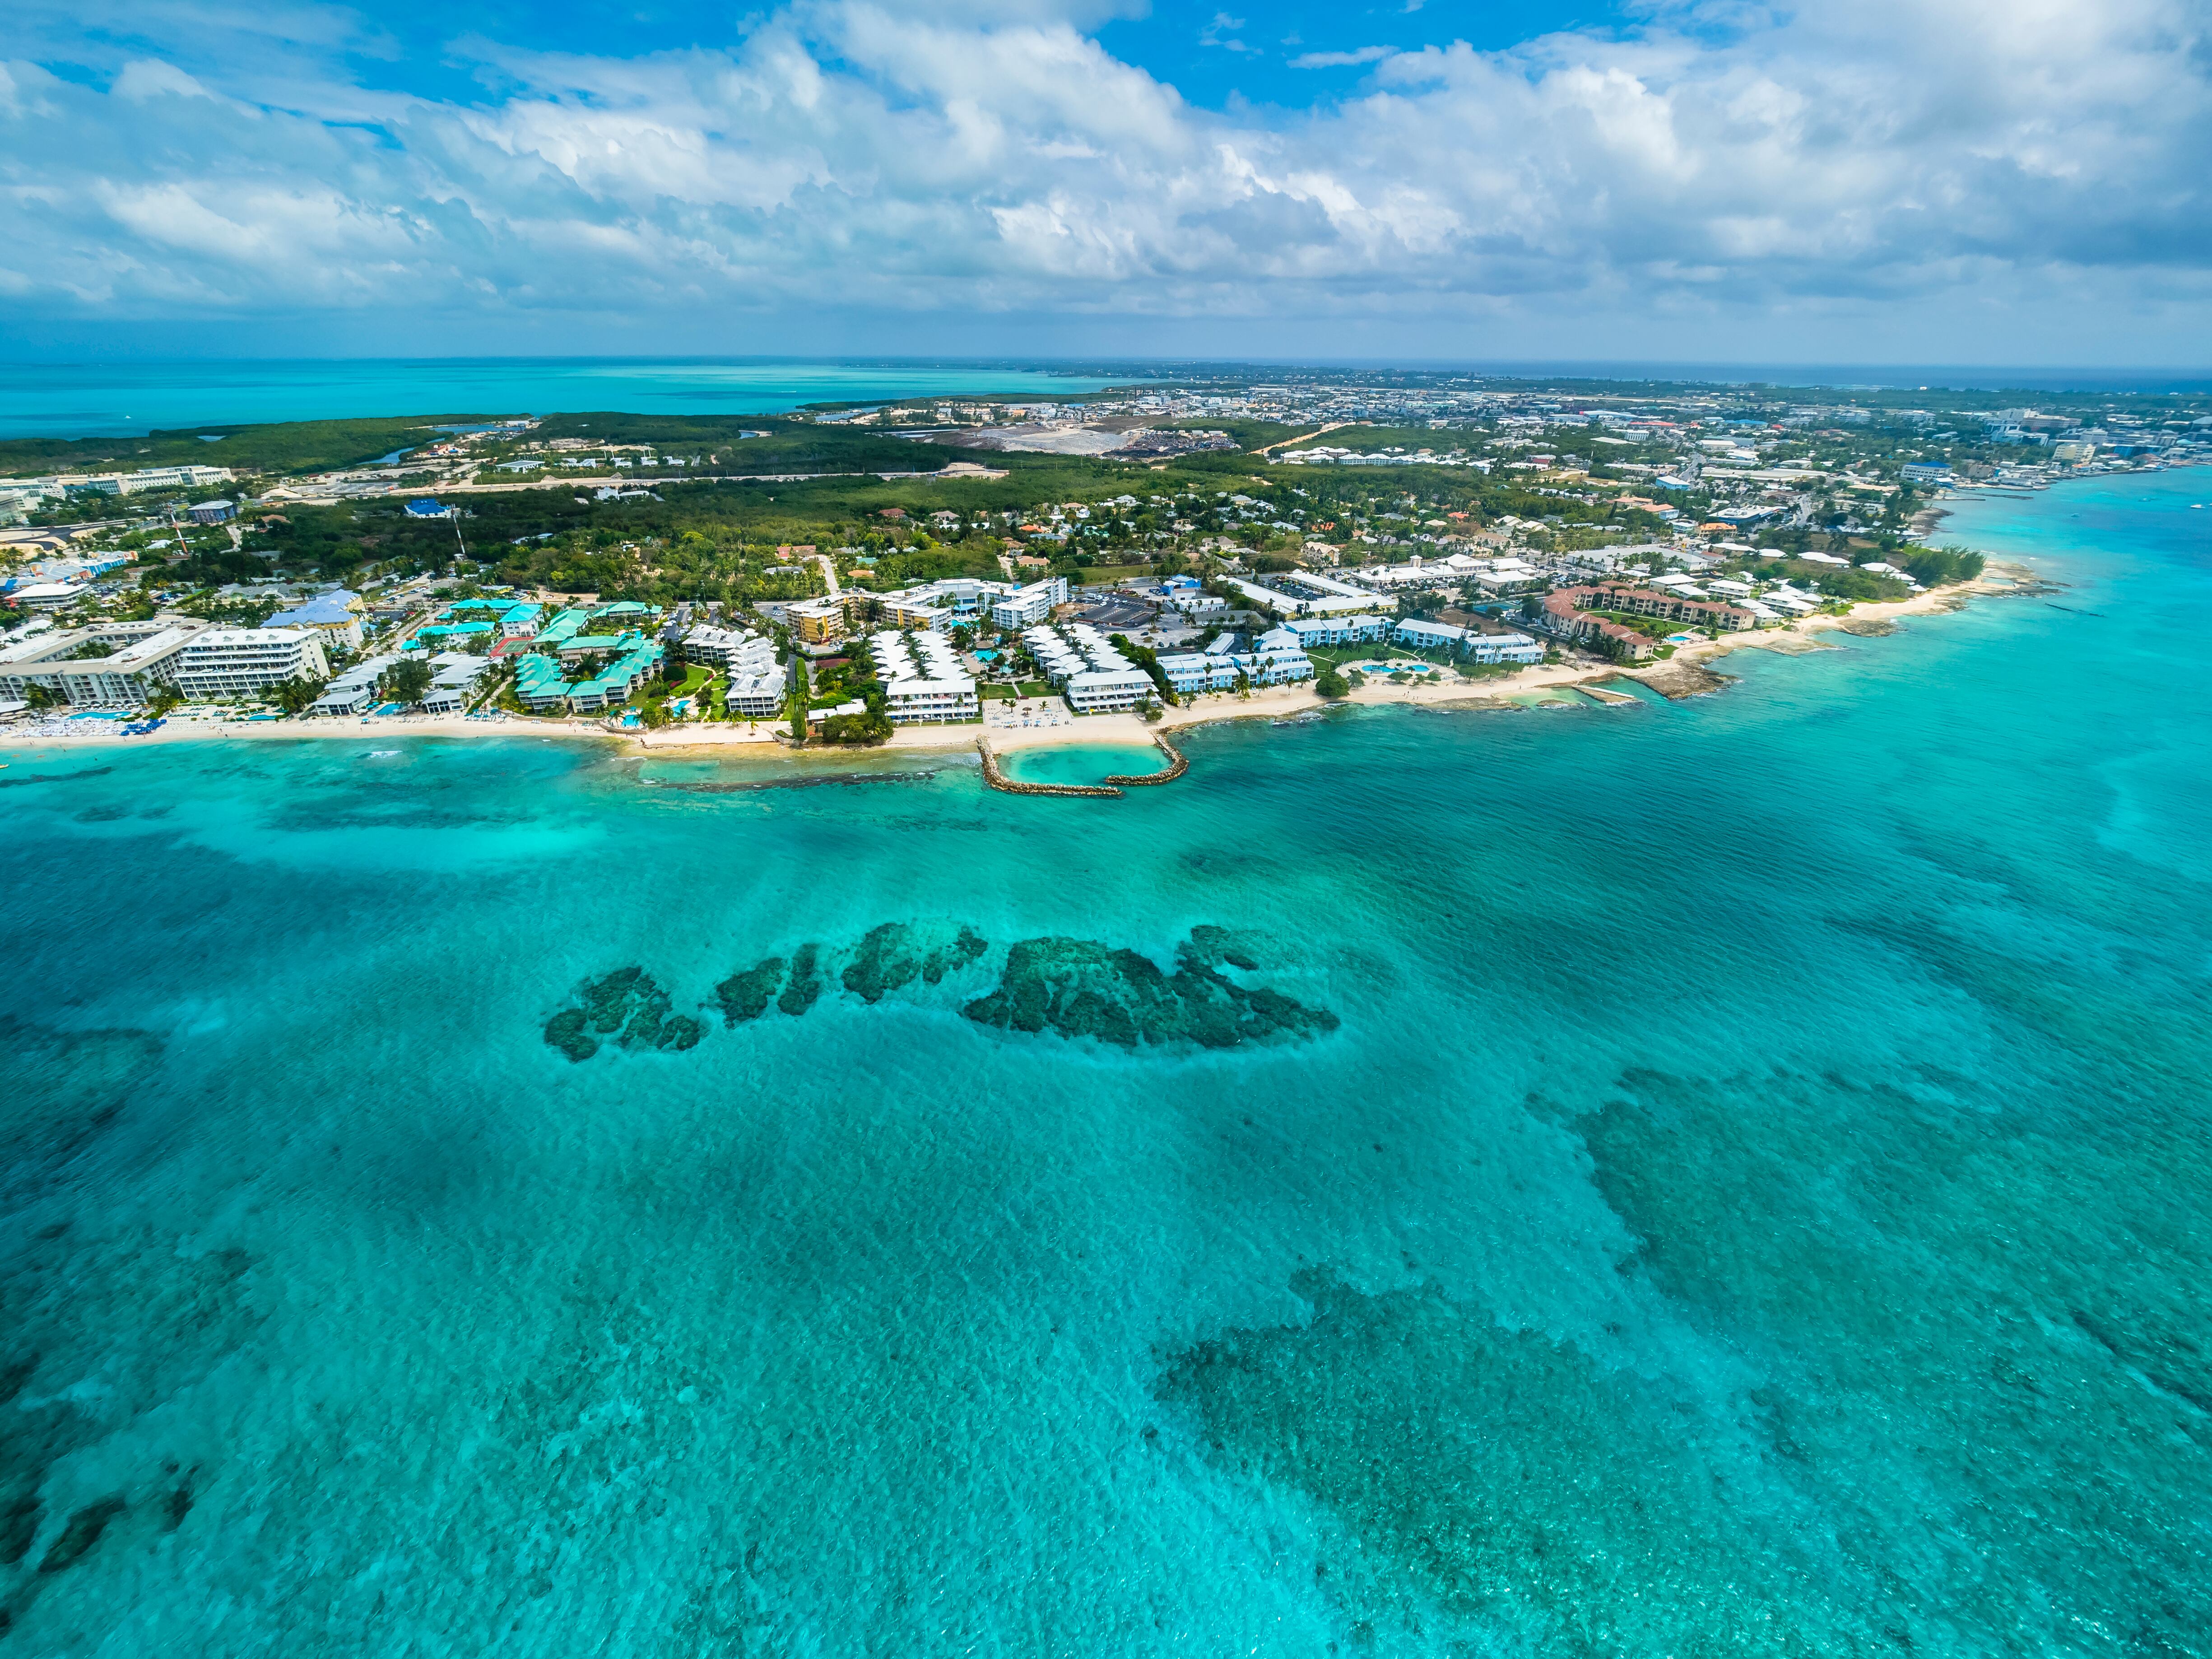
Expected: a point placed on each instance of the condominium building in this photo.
(1028, 606)
(817, 622)
(232, 662)
(114, 665)
(923, 680)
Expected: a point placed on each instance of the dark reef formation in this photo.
(1078, 988)
(627, 1002)
(897, 953)
(805, 983)
(744, 995)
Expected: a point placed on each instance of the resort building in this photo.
(334, 615)
(565, 625)
(455, 682)
(923, 678)
(1026, 606)
(113, 665)
(1666, 605)
(353, 691)
(1219, 671)
(757, 696)
(1476, 647)
(146, 478)
(1309, 631)
(234, 662)
(817, 622)
(541, 684)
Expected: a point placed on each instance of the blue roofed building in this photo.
(334, 615)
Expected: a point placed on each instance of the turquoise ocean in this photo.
(112, 399)
(1719, 1177)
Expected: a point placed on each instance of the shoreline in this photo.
(1683, 675)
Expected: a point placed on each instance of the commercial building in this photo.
(146, 478)
(216, 512)
(1303, 594)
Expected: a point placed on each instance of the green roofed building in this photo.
(540, 685)
(595, 645)
(564, 626)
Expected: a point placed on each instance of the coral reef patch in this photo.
(626, 1001)
(1079, 988)
(1507, 1487)
(745, 994)
(804, 986)
(898, 952)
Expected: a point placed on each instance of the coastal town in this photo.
(1159, 556)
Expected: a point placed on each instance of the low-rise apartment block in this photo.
(923, 680)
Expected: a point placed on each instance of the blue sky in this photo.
(1999, 181)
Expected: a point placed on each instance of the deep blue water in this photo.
(1719, 1177)
(77, 400)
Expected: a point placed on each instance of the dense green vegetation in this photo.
(289, 447)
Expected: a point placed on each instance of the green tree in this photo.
(407, 682)
(295, 694)
(1330, 683)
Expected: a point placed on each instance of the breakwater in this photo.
(1110, 789)
(998, 780)
(1178, 765)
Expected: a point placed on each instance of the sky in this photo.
(2012, 182)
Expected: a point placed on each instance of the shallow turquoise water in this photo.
(70, 400)
(1751, 1197)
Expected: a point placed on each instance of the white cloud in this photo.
(2007, 163)
(1342, 59)
(149, 77)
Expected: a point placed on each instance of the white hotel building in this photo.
(236, 662)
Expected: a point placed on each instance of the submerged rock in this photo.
(1078, 988)
(806, 983)
(627, 1001)
(744, 995)
(81, 1534)
(897, 953)
(566, 1031)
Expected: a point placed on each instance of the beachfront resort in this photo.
(591, 581)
